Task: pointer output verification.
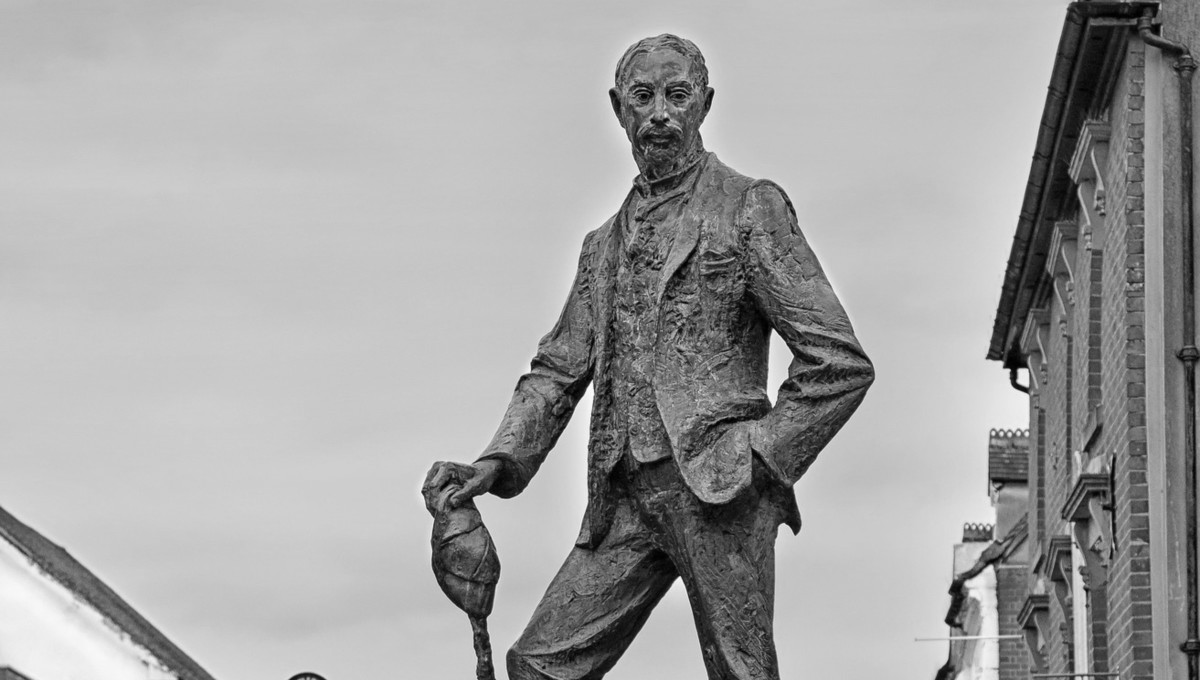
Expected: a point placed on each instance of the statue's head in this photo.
(661, 97)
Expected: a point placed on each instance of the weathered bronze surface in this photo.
(690, 466)
(465, 562)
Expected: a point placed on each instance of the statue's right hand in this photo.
(471, 480)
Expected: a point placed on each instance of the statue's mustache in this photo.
(659, 132)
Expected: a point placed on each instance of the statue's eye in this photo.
(641, 96)
(679, 96)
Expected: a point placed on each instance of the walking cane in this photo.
(465, 564)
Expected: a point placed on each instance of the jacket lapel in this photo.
(604, 290)
(687, 234)
(602, 447)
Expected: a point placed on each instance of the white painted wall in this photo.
(47, 633)
(986, 662)
(980, 658)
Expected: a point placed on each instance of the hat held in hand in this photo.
(465, 563)
(464, 558)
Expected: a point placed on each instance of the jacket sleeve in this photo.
(829, 373)
(546, 396)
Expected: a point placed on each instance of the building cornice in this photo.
(1058, 558)
(1090, 492)
(1083, 65)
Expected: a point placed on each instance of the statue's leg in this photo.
(594, 606)
(725, 555)
(730, 582)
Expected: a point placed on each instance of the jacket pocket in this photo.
(716, 266)
(718, 279)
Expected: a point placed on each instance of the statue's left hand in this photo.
(471, 480)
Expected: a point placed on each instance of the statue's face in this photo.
(660, 107)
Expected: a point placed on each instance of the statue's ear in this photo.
(708, 99)
(615, 98)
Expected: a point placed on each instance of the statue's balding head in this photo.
(666, 41)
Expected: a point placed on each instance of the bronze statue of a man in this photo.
(690, 467)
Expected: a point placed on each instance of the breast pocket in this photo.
(719, 280)
(719, 273)
(714, 265)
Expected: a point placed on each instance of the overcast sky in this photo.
(261, 263)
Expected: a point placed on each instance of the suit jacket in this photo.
(737, 268)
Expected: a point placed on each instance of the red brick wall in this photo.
(1037, 478)
(1010, 595)
(1057, 399)
(1096, 359)
(1123, 359)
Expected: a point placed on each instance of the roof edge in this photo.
(59, 565)
(1046, 149)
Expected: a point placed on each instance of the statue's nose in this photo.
(659, 113)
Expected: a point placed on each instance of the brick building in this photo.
(988, 587)
(1098, 305)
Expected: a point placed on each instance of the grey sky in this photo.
(262, 262)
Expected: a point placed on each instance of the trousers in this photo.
(601, 597)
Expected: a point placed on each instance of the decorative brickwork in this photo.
(973, 532)
(1057, 396)
(1123, 361)
(1037, 479)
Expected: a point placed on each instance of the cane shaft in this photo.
(483, 650)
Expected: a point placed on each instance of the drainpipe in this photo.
(1012, 380)
(1185, 66)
